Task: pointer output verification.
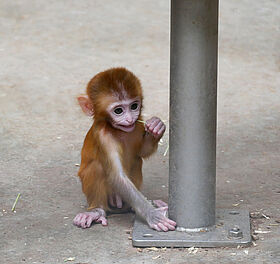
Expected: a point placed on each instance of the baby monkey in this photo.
(114, 148)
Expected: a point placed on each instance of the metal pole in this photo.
(192, 159)
(193, 103)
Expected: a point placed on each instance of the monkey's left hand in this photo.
(155, 127)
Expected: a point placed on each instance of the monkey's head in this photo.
(114, 96)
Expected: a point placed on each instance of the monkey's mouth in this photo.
(127, 128)
(130, 126)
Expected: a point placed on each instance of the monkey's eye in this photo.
(134, 106)
(118, 111)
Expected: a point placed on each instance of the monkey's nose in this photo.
(129, 120)
(129, 123)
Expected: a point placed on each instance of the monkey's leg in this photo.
(95, 189)
(84, 220)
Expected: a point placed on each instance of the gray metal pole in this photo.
(192, 159)
(193, 100)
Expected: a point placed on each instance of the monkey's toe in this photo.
(103, 221)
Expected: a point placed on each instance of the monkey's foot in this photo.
(115, 201)
(84, 220)
(160, 203)
(157, 220)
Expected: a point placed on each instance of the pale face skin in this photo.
(125, 113)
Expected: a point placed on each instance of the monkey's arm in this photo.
(155, 129)
(155, 217)
(149, 145)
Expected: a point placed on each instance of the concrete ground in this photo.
(50, 49)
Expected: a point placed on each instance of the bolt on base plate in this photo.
(232, 229)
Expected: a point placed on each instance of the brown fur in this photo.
(111, 82)
(95, 163)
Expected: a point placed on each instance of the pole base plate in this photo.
(232, 229)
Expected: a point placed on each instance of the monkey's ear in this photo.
(85, 104)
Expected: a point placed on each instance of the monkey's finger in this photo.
(150, 124)
(89, 221)
(147, 124)
(83, 221)
(166, 219)
(77, 220)
(158, 127)
(151, 120)
(169, 226)
(162, 227)
(160, 203)
(161, 131)
(156, 227)
(154, 124)
(171, 222)
(150, 129)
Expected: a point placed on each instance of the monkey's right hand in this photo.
(157, 220)
(155, 127)
(84, 220)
